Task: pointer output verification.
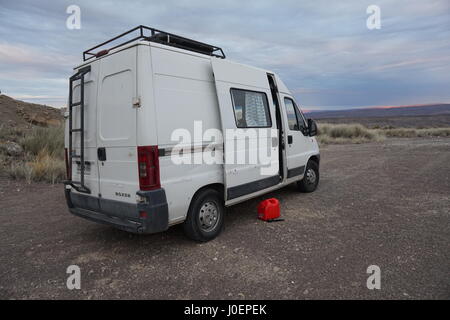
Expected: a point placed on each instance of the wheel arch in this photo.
(219, 187)
(191, 224)
(315, 158)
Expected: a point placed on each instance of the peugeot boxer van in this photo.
(155, 124)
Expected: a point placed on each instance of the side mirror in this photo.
(312, 127)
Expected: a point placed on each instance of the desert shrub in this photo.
(434, 132)
(20, 170)
(412, 133)
(8, 133)
(346, 133)
(43, 158)
(50, 139)
(43, 167)
(48, 168)
(3, 162)
(400, 132)
(357, 133)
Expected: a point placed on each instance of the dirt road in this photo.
(384, 204)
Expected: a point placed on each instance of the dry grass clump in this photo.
(43, 167)
(412, 133)
(43, 154)
(357, 133)
(49, 140)
(8, 133)
(346, 133)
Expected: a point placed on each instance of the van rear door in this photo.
(247, 114)
(116, 114)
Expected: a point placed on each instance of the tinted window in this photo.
(251, 109)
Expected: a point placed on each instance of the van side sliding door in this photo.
(248, 125)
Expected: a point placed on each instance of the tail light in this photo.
(66, 158)
(148, 164)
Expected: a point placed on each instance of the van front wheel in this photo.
(205, 217)
(311, 178)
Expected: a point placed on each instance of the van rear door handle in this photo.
(290, 139)
(101, 153)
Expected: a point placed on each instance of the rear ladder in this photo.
(77, 185)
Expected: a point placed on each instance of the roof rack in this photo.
(158, 36)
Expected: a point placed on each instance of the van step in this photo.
(77, 185)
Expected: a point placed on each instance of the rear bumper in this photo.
(123, 215)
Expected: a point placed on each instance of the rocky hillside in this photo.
(31, 141)
(16, 113)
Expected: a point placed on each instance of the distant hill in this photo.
(16, 113)
(424, 110)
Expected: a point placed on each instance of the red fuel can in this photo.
(269, 209)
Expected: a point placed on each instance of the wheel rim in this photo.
(311, 176)
(209, 216)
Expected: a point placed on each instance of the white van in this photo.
(130, 103)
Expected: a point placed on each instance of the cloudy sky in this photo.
(323, 50)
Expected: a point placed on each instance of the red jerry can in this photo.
(269, 209)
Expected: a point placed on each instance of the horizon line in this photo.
(306, 110)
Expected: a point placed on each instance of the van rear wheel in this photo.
(310, 180)
(205, 217)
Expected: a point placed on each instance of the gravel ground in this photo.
(384, 204)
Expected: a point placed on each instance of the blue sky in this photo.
(323, 50)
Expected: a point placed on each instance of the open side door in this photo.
(251, 157)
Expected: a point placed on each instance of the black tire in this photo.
(308, 183)
(206, 205)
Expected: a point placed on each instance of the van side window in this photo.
(301, 120)
(251, 109)
(295, 118)
(291, 114)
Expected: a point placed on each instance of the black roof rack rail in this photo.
(158, 36)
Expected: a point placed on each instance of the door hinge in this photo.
(136, 102)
